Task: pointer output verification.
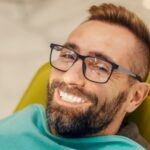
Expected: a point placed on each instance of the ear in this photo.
(138, 93)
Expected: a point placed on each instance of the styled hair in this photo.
(119, 15)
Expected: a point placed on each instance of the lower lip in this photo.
(60, 101)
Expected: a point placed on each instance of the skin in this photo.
(118, 44)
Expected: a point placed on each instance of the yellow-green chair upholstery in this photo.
(37, 93)
(37, 89)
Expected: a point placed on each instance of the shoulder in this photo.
(22, 118)
(125, 143)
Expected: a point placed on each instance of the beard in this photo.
(80, 122)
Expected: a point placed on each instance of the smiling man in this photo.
(98, 77)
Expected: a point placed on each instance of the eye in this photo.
(66, 55)
(103, 67)
(98, 66)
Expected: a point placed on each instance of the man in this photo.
(98, 77)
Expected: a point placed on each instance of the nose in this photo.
(74, 75)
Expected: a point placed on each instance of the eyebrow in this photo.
(91, 53)
(72, 46)
(103, 56)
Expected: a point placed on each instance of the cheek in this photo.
(100, 90)
(107, 91)
(55, 75)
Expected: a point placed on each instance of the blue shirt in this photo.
(27, 130)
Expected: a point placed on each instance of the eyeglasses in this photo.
(94, 68)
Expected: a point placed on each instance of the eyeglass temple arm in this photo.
(129, 73)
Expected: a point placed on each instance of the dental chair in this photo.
(37, 93)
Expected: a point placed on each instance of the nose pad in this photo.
(74, 76)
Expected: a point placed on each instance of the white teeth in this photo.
(70, 98)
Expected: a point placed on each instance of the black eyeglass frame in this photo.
(114, 66)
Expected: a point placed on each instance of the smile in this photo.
(70, 98)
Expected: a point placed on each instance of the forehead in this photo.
(114, 41)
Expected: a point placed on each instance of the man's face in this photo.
(78, 107)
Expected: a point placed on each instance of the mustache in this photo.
(76, 91)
